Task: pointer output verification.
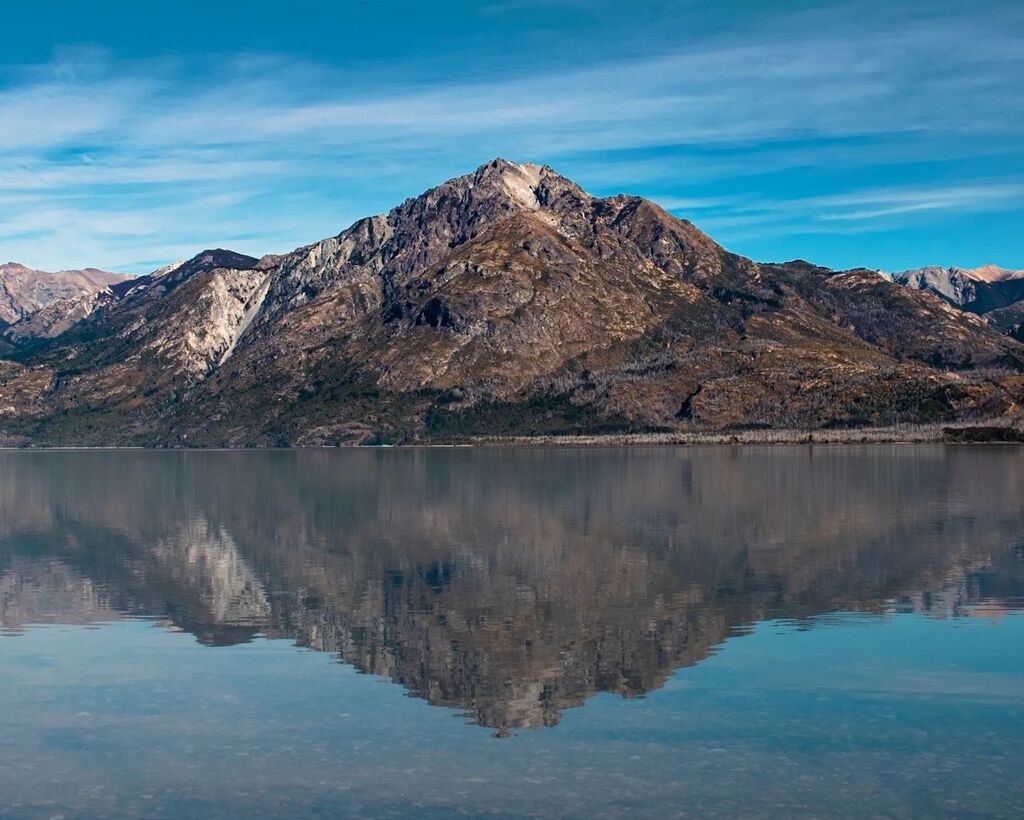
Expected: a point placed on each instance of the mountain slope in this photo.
(505, 301)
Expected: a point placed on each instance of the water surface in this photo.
(749, 631)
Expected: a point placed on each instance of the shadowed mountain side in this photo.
(512, 584)
(506, 301)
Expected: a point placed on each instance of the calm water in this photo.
(827, 631)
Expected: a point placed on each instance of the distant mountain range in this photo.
(506, 301)
(990, 291)
(24, 291)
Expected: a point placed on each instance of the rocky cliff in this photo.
(505, 301)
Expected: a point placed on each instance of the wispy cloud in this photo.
(856, 211)
(892, 202)
(109, 159)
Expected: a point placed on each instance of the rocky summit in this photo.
(507, 301)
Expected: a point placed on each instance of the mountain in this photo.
(505, 301)
(24, 291)
(978, 290)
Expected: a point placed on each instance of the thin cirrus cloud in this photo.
(856, 212)
(755, 92)
(763, 136)
(889, 203)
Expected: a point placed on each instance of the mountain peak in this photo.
(500, 166)
(170, 276)
(207, 260)
(523, 184)
(520, 181)
(221, 258)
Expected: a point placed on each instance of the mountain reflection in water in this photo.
(511, 584)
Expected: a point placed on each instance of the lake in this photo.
(719, 631)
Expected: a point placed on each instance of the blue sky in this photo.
(886, 134)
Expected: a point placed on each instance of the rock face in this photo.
(24, 291)
(505, 301)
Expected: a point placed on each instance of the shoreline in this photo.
(992, 433)
(917, 434)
